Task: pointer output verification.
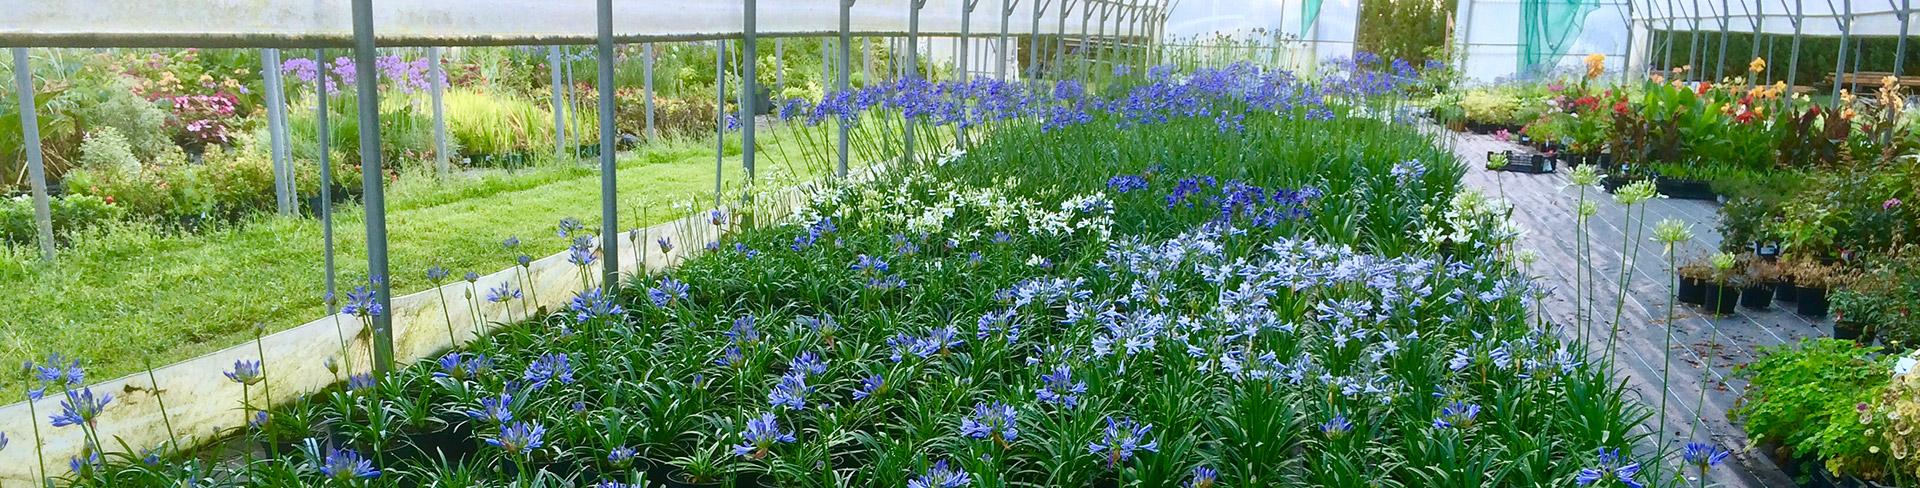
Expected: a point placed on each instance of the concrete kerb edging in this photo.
(204, 405)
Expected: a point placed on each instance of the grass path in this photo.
(128, 294)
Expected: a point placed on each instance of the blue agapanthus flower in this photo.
(520, 438)
(81, 407)
(743, 331)
(1703, 455)
(1058, 387)
(347, 465)
(462, 366)
(245, 372)
(940, 476)
(791, 391)
(503, 293)
(870, 386)
(1456, 415)
(583, 252)
(1203, 477)
(567, 226)
(547, 369)
(808, 363)
(667, 292)
(498, 410)
(361, 303)
(991, 421)
(621, 457)
(1610, 467)
(762, 434)
(1121, 439)
(594, 304)
(360, 382)
(436, 274)
(1336, 427)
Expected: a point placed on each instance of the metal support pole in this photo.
(277, 130)
(1033, 39)
(720, 117)
(866, 61)
(30, 138)
(961, 61)
(1006, 14)
(437, 76)
(749, 86)
(1840, 60)
(646, 67)
(559, 102)
(609, 184)
(326, 176)
(1666, 59)
(779, 68)
(1720, 63)
(1900, 49)
(912, 73)
(1086, 15)
(1060, 37)
(846, 54)
(573, 126)
(1793, 59)
(1693, 44)
(372, 177)
(1758, 38)
(966, 26)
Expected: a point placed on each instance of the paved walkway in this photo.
(1544, 206)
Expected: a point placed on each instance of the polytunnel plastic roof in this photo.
(309, 23)
(1818, 17)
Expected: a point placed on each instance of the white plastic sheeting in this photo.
(1488, 33)
(1489, 30)
(1820, 17)
(306, 23)
(1331, 32)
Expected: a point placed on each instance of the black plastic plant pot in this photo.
(1845, 330)
(1722, 299)
(1685, 189)
(1811, 302)
(1693, 291)
(1757, 297)
(1785, 292)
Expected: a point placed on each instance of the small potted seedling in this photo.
(1693, 281)
(1723, 290)
(1758, 282)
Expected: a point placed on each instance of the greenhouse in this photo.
(959, 243)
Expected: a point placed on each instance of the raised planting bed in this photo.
(1065, 304)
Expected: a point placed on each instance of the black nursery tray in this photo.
(1524, 162)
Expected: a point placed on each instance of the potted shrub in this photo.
(1812, 281)
(1723, 287)
(1694, 276)
(1854, 314)
(1758, 282)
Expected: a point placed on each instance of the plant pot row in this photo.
(1488, 128)
(1722, 299)
(1522, 162)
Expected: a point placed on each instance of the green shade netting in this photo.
(1548, 28)
(1310, 13)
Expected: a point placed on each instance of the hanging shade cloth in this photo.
(1549, 28)
(1309, 13)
